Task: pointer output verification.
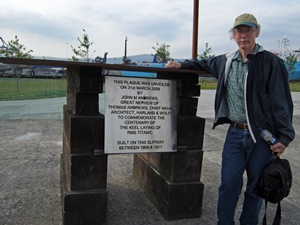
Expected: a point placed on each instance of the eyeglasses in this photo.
(240, 32)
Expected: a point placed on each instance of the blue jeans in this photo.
(241, 154)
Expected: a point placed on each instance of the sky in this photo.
(50, 28)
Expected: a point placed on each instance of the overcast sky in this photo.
(50, 27)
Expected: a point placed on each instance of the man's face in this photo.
(245, 37)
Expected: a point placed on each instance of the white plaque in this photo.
(140, 115)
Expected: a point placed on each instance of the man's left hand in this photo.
(278, 148)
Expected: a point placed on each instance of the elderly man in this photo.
(252, 94)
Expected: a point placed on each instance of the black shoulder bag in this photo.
(275, 184)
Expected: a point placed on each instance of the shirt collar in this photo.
(238, 56)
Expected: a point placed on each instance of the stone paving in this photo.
(29, 170)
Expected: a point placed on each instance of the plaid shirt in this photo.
(235, 87)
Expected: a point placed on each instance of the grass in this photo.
(212, 84)
(295, 86)
(28, 89)
(208, 84)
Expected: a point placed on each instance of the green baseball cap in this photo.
(245, 19)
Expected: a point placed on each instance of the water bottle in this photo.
(268, 136)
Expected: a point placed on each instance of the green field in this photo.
(212, 84)
(26, 88)
(295, 86)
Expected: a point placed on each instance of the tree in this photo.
(83, 48)
(290, 62)
(16, 50)
(206, 53)
(162, 52)
(204, 56)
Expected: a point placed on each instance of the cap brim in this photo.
(245, 24)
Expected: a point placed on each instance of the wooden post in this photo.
(195, 29)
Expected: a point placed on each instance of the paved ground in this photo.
(29, 170)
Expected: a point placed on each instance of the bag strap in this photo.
(277, 218)
(265, 216)
(267, 192)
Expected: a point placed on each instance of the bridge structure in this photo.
(171, 180)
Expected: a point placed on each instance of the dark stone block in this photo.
(73, 77)
(87, 104)
(173, 200)
(90, 72)
(85, 79)
(190, 90)
(178, 75)
(187, 89)
(91, 79)
(190, 132)
(84, 134)
(180, 166)
(85, 172)
(186, 85)
(91, 85)
(82, 207)
(187, 106)
(71, 99)
(83, 87)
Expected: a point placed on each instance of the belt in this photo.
(243, 126)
